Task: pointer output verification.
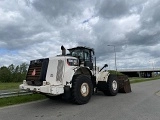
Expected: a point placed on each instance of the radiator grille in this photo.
(34, 72)
(37, 72)
(60, 70)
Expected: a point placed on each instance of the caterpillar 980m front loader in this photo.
(74, 76)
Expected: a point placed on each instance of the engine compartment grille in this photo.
(37, 72)
(34, 72)
(60, 70)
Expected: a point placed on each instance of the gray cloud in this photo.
(57, 8)
(148, 33)
(36, 29)
(112, 9)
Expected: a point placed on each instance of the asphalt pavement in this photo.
(143, 103)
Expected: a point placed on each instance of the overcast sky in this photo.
(33, 29)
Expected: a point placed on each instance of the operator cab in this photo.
(84, 54)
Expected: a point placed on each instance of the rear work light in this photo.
(72, 62)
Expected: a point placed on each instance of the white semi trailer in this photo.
(74, 76)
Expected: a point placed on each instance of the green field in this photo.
(138, 79)
(20, 99)
(8, 86)
(17, 99)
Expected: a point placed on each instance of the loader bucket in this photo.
(124, 84)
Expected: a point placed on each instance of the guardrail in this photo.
(13, 93)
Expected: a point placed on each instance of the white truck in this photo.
(73, 75)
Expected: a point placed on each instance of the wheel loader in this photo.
(73, 76)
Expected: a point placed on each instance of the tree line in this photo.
(13, 73)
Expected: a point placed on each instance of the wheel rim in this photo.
(114, 85)
(84, 89)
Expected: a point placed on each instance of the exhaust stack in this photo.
(63, 50)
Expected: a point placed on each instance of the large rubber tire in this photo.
(112, 86)
(82, 89)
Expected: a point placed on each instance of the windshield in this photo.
(77, 53)
(83, 55)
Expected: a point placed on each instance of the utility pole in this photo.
(115, 56)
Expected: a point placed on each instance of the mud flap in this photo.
(67, 93)
(124, 84)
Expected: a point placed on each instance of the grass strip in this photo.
(137, 79)
(20, 99)
(7, 86)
